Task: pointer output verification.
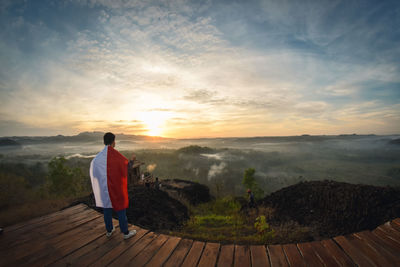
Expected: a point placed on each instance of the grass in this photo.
(221, 221)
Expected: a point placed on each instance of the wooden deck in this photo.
(76, 237)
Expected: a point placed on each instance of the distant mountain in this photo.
(8, 142)
(81, 137)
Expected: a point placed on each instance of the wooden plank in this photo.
(368, 251)
(179, 253)
(226, 256)
(259, 257)
(82, 253)
(380, 246)
(125, 258)
(242, 256)
(164, 252)
(396, 221)
(293, 255)
(99, 247)
(309, 255)
(50, 253)
(68, 247)
(29, 232)
(337, 252)
(193, 256)
(143, 257)
(387, 237)
(36, 248)
(395, 226)
(44, 218)
(323, 254)
(353, 252)
(48, 229)
(114, 253)
(209, 255)
(277, 256)
(395, 235)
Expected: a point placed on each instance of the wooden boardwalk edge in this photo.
(76, 236)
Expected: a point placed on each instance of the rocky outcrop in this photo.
(186, 191)
(150, 208)
(334, 208)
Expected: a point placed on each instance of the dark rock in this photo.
(334, 208)
(189, 191)
(150, 208)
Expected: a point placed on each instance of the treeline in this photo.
(46, 186)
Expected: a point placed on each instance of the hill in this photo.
(334, 208)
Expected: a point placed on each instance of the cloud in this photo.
(204, 67)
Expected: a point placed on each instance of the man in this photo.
(252, 203)
(108, 173)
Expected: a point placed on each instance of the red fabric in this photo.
(117, 179)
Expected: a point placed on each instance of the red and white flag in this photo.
(109, 177)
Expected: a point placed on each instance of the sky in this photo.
(187, 69)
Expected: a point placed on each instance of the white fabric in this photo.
(98, 177)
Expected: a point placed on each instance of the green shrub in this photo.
(64, 180)
(249, 181)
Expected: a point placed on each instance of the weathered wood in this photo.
(125, 258)
(124, 245)
(76, 236)
(193, 256)
(353, 252)
(143, 257)
(39, 247)
(70, 246)
(99, 247)
(50, 253)
(226, 256)
(82, 253)
(309, 255)
(368, 251)
(337, 253)
(179, 253)
(209, 255)
(293, 255)
(30, 232)
(385, 236)
(394, 234)
(277, 256)
(323, 254)
(242, 256)
(32, 223)
(380, 246)
(164, 252)
(395, 226)
(259, 257)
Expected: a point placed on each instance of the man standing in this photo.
(109, 177)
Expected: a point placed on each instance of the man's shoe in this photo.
(108, 234)
(130, 234)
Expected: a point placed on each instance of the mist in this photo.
(221, 162)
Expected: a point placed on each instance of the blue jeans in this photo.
(123, 221)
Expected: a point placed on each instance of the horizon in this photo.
(189, 69)
(216, 137)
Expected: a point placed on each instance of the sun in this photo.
(154, 122)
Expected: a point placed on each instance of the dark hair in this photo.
(109, 138)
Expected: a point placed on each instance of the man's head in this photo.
(109, 139)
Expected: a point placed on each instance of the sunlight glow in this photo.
(154, 122)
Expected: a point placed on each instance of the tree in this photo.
(64, 180)
(250, 182)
